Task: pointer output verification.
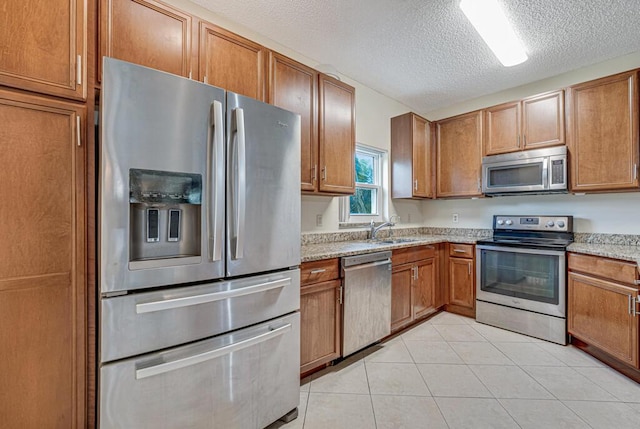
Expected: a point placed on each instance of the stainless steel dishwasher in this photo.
(366, 300)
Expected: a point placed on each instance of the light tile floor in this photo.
(452, 372)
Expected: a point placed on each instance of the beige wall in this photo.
(614, 213)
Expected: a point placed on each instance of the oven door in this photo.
(529, 279)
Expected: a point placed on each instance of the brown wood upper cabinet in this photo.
(531, 123)
(602, 302)
(146, 32)
(42, 274)
(44, 46)
(603, 133)
(294, 86)
(459, 156)
(336, 136)
(411, 157)
(231, 62)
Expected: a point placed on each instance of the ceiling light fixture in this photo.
(491, 23)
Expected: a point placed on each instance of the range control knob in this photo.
(560, 224)
(509, 222)
(550, 223)
(500, 222)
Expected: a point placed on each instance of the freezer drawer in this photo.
(245, 379)
(144, 322)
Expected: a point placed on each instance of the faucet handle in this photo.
(391, 219)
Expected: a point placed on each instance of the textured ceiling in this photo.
(425, 53)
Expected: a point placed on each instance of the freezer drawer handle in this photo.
(212, 354)
(169, 304)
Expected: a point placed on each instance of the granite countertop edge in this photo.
(316, 252)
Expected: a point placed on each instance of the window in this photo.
(367, 200)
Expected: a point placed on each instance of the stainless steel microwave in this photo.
(538, 171)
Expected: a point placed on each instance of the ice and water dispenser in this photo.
(164, 214)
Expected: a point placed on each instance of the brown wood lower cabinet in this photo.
(601, 309)
(320, 314)
(462, 289)
(413, 285)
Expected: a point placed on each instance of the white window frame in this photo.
(380, 178)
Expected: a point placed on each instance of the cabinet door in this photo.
(337, 136)
(461, 285)
(459, 156)
(543, 120)
(602, 133)
(502, 128)
(43, 46)
(231, 62)
(422, 157)
(401, 286)
(42, 278)
(294, 86)
(320, 324)
(148, 33)
(424, 288)
(599, 313)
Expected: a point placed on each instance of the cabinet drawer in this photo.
(613, 269)
(461, 250)
(319, 271)
(412, 254)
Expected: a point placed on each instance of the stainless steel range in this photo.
(521, 277)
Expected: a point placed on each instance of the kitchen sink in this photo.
(397, 240)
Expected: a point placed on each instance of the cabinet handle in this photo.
(524, 140)
(632, 305)
(318, 271)
(314, 174)
(636, 282)
(478, 182)
(78, 134)
(324, 173)
(415, 185)
(79, 69)
(206, 79)
(459, 251)
(340, 295)
(469, 266)
(635, 171)
(518, 141)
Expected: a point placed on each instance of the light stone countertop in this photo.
(316, 252)
(615, 251)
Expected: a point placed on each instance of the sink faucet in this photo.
(373, 229)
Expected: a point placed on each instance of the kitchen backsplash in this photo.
(331, 237)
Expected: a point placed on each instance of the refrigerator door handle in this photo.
(170, 304)
(216, 183)
(240, 189)
(211, 354)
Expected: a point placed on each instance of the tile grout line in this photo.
(373, 409)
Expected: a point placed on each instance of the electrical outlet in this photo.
(456, 217)
(319, 220)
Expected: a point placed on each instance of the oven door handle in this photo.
(526, 250)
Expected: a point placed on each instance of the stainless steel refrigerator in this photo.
(199, 249)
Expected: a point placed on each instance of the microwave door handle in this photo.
(216, 183)
(546, 177)
(240, 189)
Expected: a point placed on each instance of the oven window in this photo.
(521, 175)
(522, 275)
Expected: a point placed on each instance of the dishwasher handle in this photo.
(369, 265)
